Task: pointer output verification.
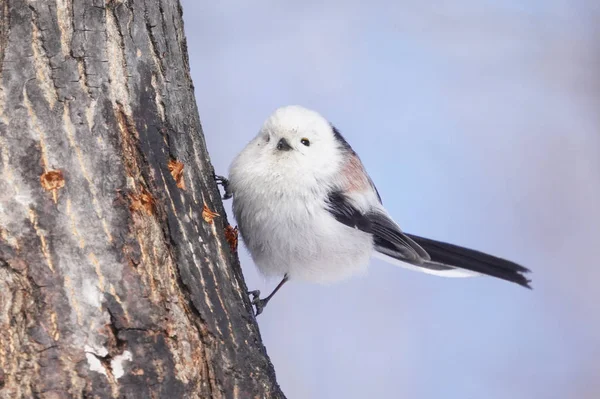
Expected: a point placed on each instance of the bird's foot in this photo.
(224, 182)
(259, 304)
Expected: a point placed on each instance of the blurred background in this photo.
(479, 122)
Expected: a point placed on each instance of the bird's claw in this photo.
(224, 182)
(259, 304)
(255, 294)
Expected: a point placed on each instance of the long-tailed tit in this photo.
(308, 210)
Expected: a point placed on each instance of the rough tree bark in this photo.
(116, 279)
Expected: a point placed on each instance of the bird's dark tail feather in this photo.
(468, 259)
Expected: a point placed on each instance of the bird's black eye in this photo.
(305, 141)
(268, 138)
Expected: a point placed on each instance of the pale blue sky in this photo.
(479, 123)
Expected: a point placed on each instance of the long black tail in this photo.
(463, 258)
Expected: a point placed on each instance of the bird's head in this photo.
(299, 139)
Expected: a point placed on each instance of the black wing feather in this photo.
(384, 231)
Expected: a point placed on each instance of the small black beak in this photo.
(282, 145)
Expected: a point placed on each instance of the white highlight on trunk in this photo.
(117, 364)
(92, 357)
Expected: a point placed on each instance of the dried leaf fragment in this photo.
(52, 180)
(208, 215)
(144, 201)
(176, 169)
(231, 235)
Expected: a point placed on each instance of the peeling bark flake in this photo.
(52, 180)
(208, 215)
(143, 201)
(231, 235)
(176, 169)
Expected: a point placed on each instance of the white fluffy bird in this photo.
(307, 210)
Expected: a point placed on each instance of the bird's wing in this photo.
(385, 231)
(358, 204)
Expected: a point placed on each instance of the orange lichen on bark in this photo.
(231, 235)
(208, 215)
(143, 201)
(176, 169)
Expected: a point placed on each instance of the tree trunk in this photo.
(116, 279)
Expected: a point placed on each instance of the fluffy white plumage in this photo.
(280, 196)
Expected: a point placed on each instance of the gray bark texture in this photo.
(116, 276)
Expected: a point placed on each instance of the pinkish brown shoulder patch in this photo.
(355, 175)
